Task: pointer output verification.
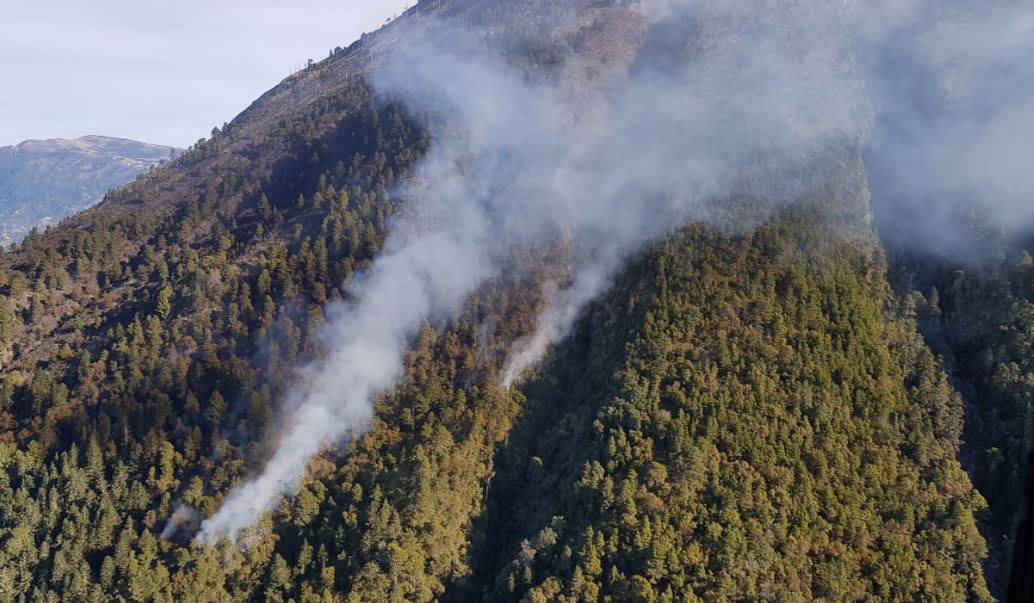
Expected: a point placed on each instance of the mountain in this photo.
(44, 181)
(765, 403)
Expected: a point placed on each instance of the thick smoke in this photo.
(739, 99)
(951, 155)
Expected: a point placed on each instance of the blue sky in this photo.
(161, 72)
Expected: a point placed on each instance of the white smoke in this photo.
(557, 318)
(752, 94)
(954, 141)
(414, 279)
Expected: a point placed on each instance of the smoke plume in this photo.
(718, 99)
(951, 152)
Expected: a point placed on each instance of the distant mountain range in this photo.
(44, 181)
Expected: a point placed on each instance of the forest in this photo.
(749, 416)
(793, 411)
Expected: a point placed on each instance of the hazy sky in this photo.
(161, 72)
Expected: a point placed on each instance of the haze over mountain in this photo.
(45, 181)
(524, 300)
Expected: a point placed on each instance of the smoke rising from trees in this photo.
(724, 100)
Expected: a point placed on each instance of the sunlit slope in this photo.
(743, 417)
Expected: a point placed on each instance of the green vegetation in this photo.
(748, 417)
(980, 316)
(743, 419)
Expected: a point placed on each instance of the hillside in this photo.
(743, 418)
(44, 181)
(747, 411)
(979, 315)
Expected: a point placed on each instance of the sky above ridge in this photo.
(159, 72)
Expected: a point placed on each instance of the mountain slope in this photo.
(979, 314)
(747, 414)
(742, 418)
(44, 181)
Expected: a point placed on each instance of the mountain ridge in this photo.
(45, 181)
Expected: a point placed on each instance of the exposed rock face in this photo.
(44, 181)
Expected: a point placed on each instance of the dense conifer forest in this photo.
(785, 412)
